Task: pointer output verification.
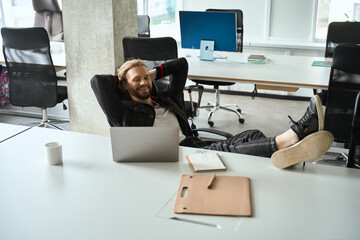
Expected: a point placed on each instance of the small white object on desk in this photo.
(54, 153)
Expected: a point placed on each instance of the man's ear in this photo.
(123, 85)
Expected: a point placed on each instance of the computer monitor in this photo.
(219, 27)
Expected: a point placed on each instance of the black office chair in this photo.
(216, 84)
(154, 51)
(354, 148)
(143, 25)
(49, 16)
(344, 86)
(341, 32)
(32, 76)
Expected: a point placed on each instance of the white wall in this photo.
(292, 19)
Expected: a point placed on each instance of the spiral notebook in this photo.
(205, 161)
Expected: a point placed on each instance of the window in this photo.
(2, 21)
(163, 16)
(17, 13)
(335, 10)
(20, 13)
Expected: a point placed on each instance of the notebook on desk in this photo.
(145, 144)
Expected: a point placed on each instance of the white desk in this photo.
(91, 197)
(8, 131)
(281, 70)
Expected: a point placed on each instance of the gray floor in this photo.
(266, 114)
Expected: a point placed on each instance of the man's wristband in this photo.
(159, 71)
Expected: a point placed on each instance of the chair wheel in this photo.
(211, 123)
(241, 120)
(239, 110)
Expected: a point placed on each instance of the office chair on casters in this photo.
(32, 76)
(353, 160)
(214, 106)
(344, 86)
(49, 16)
(143, 25)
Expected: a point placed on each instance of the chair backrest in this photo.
(341, 32)
(49, 16)
(344, 85)
(153, 51)
(354, 149)
(32, 76)
(143, 25)
(240, 25)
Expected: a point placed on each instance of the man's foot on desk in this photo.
(309, 148)
(312, 121)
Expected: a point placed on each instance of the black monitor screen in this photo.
(217, 26)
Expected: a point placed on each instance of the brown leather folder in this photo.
(228, 196)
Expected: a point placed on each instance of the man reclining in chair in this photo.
(132, 100)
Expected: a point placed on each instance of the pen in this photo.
(211, 181)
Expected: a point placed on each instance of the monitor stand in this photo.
(207, 50)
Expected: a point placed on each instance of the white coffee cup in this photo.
(54, 153)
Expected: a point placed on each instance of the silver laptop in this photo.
(145, 144)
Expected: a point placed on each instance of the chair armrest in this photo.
(214, 131)
(200, 89)
(61, 78)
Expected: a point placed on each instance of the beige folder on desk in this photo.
(228, 196)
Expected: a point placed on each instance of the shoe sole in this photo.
(311, 147)
(320, 112)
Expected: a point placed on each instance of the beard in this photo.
(139, 93)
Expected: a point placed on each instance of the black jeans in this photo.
(252, 142)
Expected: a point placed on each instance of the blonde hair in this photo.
(123, 70)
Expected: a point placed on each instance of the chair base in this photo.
(49, 125)
(45, 122)
(213, 107)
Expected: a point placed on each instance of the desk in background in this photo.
(286, 72)
(91, 197)
(57, 58)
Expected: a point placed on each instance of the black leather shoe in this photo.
(312, 121)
